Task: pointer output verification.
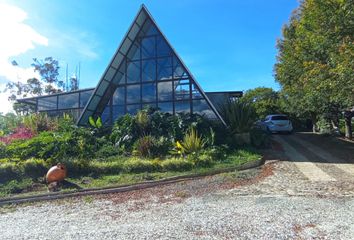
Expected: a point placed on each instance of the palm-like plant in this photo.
(191, 142)
(238, 115)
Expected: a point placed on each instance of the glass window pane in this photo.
(149, 105)
(68, 101)
(149, 70)
(166, 107)
(133, 72)
(165, 91)
(201, 107)
(119, 96)
(106, 115)
(182, 106)
(102, 87)
(119, 79)
(47, 103)
(149, 92)
(178, 69)
(118, 111)
(125, 46)
(133, 31)
(195, 92)
(117, 60)
(94, 102)
(148, 47)
(84, 97)
(134, 52)
(182, 90)
(133, 94)
(141, 18)
(110, 73)
(149, 28)
(163, 49)
(164, 68)
(133, 109)
(85, 117)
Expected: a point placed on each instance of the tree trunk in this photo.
(314, 126)
(348, 127)
(348, 115)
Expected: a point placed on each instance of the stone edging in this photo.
(126, 188)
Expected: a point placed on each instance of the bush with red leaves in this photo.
(18, 134)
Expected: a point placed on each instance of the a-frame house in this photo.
(146, 71)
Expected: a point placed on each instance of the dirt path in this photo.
(303, 193)
(316, 160)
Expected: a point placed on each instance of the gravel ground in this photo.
(272, 202)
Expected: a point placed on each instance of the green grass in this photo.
(111, 173)
(238, 158)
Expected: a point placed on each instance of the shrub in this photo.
(201, 160)
(105, 167)
(143, 147)
(192, 143)
(56, 146)
(3, 153)
(176, 164)
(107, 150)
(39, 122)
(9, 171)
(19, 133)
(217, 153)
(124, 133)
(9, 122)
(34, 168)
(238, 115)
(142, 119)
(136, 165)
(164, 127)
(16, 186)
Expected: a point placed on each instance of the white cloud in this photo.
(16, 38)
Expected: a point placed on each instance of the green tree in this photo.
(264, 100)
(315, 59)
(48, 83)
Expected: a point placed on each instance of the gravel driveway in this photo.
(277, 201)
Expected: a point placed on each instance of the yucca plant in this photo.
(238, 115)
(191, 143)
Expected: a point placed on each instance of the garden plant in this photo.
(149, 145)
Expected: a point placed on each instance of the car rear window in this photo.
(280, 118)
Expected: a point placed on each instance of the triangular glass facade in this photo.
(146, 71)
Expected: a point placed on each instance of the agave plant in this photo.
(238, 115)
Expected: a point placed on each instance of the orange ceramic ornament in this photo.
(56, 173)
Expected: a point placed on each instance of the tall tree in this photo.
(315, 59)
(265, 101)
(48, 83)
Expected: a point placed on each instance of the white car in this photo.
(277, 123)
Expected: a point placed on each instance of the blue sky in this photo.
(227, 44)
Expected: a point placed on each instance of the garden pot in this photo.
(243, 138)
(56, 173)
